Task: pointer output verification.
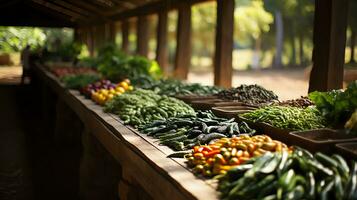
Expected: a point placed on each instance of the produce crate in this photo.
(231, 111)
(348, 150)
(191, 98)
(205, 104)
(267, 129)
(322, 140)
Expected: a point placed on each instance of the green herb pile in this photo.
(79, 81)
(171, 87)
(337, 106)
(290, 118)
(299, 175)
(182, 133)
(249, 94)
(141, 106)
(115, 65)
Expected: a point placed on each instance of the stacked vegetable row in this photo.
(141, 107)
(184, 132)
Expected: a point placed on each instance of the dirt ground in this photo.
(286, 84)
(10, 75)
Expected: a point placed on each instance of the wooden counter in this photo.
(142, 160)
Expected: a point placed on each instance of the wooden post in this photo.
(161, 50)
(329, 45)
(142, 32)
(112, 32)
(224, 43)
(125, 35)
(183, 48)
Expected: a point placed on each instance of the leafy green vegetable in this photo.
(79, 81)
(115, 65)
(336, 106)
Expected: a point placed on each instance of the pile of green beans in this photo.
(286, 117)
(140, 107)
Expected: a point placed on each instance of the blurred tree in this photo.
(297, 15)
(352, 22)
(252, 21)
(14, 39)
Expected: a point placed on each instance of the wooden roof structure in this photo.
(94, 23)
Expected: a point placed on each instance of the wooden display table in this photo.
(147, 173)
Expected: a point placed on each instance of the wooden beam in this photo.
(183, 48)
(125, 35)
(56, 8)
(329, 45)
(154, 7)
(161, 49)
(142, 36)
(224, 43)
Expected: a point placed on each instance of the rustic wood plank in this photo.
(183, 48)
(125, 35)
(161, 50)
(224, 43)
(329, 45)
(142, 36)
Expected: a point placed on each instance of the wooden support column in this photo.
(161, 49)
(183, 48)
(112, 32)
(142, 36)
(224, 43)
(329, 45)
(125, 35)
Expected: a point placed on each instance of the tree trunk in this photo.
(293, 48)
(301, 50)
(256, 53)
(352, 46)
(279, 39)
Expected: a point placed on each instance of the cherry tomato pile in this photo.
(218, 157)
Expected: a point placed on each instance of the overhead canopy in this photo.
(64, 13)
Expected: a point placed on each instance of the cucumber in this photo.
(296, 193)
(311, 185)
(338, 188)
(326, 189)
(342, 168)
(172, 135)
(207, 138)
(271, 165)
(252, 191)
(179, 154)
(329, 162)
(351, 188)
(237, 171)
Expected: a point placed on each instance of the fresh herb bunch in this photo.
(336, 106)
(299, 175)
(78, 81)
(285, 117)
(249, 94)
(141, 106)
